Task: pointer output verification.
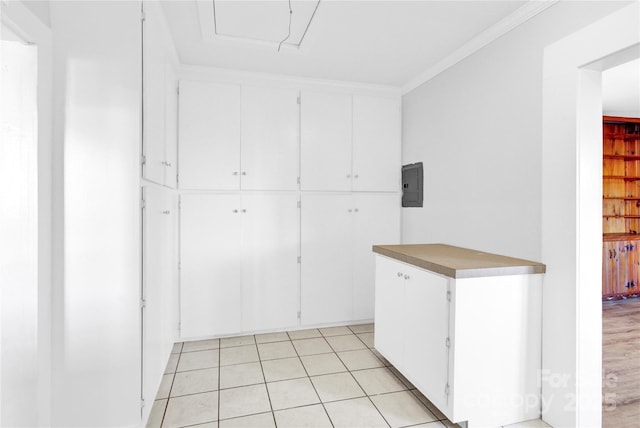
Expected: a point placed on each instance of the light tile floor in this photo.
(328, 377)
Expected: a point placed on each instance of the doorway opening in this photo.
(572, 212)
(621, 245)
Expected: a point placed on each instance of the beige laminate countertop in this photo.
(456, 262)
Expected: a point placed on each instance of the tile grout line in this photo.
(307, 375)
(166, 407)
(363, 390)
(312, 385)
(264, 378)
(368, 397)
(219, 376)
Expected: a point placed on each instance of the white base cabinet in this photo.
(338, 231)
(238, 263)
(471, 346)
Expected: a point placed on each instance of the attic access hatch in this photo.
(257, 22)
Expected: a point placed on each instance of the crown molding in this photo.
(518, 17)
(227, 75)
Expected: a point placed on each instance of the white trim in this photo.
(28, 26)
(223, 75)
(520, 16)
(206, 17)
(571, 214)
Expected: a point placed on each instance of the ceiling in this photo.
(385, 42)
(377, 42)
(621, 90)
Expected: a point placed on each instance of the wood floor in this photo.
(621, 363)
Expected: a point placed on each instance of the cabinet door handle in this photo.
(350, 210)
(399, 274)
(406, 277)
(355, 176)
(235, 211)
(166, 212)
(235, 172)
(348, 175)
(244, 172)
(356, 210)
(244, 210)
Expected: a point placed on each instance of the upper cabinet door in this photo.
(171, 125)
(153, 99)
(209, 136)
(376, 144)
(325, 141)
(269, 139)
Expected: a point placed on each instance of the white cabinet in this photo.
(338, 231)
(376, 144)
(170, 126)
(262, 148)
(270, 273)
(210, 265)
(158, 264)
(349, 142)
(159, 92)
(209, 136)
(470, 345)
(269, 149)
(407, 300)
(327, 231)
(325, 138)
(376, 220)
(234, 137)
(389, 311)
(425, 349)
(238, 257)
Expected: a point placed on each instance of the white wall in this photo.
(19, 230)
(96, 314)
(477, 128)
(40, 8)
(33, 396)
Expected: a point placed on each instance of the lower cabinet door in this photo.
(210, 265)
(426, 356)
(327, 272)
(630, 285)
(377, 222)
(158, 268)
(270, 236)
(620, 267)
(389, 338)
(611, 277)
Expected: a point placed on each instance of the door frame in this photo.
(572, 214)
(23, 22)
